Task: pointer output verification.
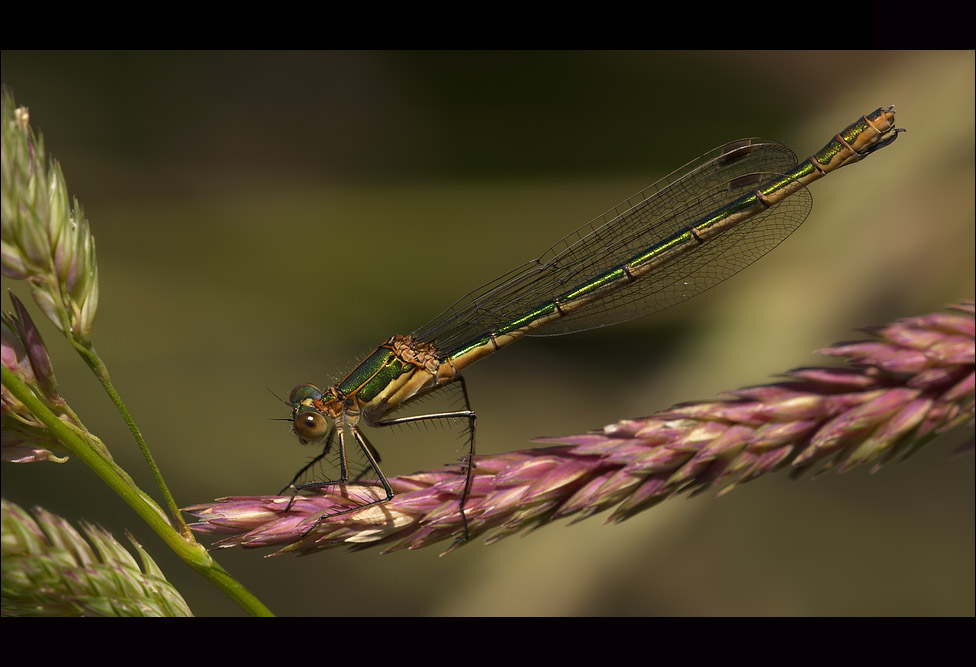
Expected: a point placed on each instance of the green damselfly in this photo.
(674, 239)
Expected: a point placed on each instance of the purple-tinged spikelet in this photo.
(913, 380)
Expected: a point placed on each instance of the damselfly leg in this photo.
(372, 460)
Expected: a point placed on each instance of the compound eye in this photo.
(310, 426)
(303, 392)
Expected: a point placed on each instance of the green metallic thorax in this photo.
(395, 372)
(374, 374)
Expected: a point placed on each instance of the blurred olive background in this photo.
(265, 219)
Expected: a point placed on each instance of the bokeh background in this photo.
(264, 219)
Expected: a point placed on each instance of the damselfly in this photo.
(674, 239)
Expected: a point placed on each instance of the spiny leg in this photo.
(374, 461)
(369, 451)
(375, 456)
(329, 439)
(472, 418)
(343, 469)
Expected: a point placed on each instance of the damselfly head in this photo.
(309, 425)
(304, 394)
(307, 422)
